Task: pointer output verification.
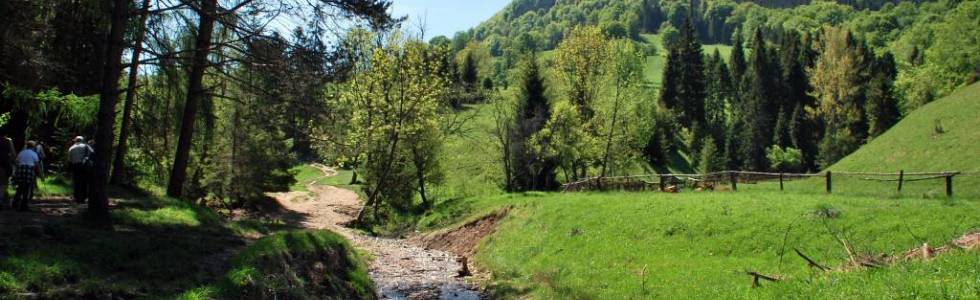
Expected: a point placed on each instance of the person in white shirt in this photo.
(28, 165)
(79, 159)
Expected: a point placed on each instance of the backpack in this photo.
(89, 160)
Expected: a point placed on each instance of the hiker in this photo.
(28, 165)
(79, 159)
(39, 149)
(6, 166)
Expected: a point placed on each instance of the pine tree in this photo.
(712, 160)
(737, 59)
(794, 80)
(468, 74)
(684, 86)
(733, 144)
(882, 106)
(759, 116)
(782, 135)
(803, 135)
(719, 88)
(532, 170)
(696, 143)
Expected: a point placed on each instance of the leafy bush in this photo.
(787, 159)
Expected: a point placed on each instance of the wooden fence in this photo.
(708, 181)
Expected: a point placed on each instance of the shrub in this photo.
(785, 159)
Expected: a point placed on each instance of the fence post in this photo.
(780, 181)
(829, 187)
(663, 184)
(901, 177)
(734, 178)
(949, 185)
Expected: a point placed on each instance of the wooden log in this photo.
(901, 177)
(829, 184)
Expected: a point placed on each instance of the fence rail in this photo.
(708, 181)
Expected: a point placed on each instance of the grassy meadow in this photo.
(699, 245)
(940, 136)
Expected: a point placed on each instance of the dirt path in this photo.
(402, 270)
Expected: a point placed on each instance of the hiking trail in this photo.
(400, 269)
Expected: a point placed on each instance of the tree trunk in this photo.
(98, 207)
(612, 127)
(195, 91)
(119, 163)
(373, 198)
(420, 175)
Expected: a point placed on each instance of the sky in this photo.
(446, 17)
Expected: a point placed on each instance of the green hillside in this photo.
(940, 136)
(916, 144)
(699, 245)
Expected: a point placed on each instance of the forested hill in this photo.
(545, 22)
(925, 37)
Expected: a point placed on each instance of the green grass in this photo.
(914, 144)
(158, 246)
(293, 265)
(470, 159)
(698, 245)
(54, 185)
(307, 174)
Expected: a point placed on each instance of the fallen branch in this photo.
(810, 262)
(756, 276)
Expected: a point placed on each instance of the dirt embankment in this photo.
(462, 240)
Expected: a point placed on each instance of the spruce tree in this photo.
(803, 135)
(532, 170)
(712, 160)
(794, 81)
(468, 74)
(684, 81)
(782, 136)
(733, 144)
(719, 88)
(882, 105)
(737, 59)
(759, 116)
